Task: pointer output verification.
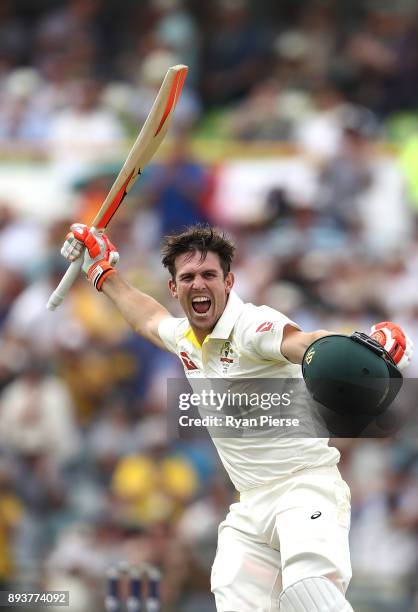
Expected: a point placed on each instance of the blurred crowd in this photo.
(89, 472)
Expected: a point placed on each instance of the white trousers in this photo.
(279, 533)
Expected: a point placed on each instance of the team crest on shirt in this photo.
(227, 357)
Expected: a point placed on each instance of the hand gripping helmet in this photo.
(351, 375)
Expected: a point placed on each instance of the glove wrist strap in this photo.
(98, 273)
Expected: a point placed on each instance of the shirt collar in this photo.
(229, 317)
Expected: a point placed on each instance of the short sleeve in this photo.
(262, 333)
(168, 332)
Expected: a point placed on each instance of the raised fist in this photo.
(100, 255)
(395, 341)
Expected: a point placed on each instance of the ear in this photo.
(173, 289)
(229, 282)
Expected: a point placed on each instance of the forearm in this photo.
(141, 311)
(295, 342)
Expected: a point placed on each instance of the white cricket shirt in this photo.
(245, 343)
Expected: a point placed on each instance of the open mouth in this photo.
(201, 304)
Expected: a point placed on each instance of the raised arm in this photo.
(140, 310)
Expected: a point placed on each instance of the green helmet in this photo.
(351, 375)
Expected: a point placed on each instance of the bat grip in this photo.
(66, 283)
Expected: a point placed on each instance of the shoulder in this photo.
(259, 330)
(260, 319)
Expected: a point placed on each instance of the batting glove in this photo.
(100, 255)
(396, 342)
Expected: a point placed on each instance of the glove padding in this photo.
(395, 341)
(100, 255)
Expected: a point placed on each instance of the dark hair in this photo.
(197, 238)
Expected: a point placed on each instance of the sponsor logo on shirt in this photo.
(187, 362)
(264, 327)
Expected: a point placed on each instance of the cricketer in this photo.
(284, 546)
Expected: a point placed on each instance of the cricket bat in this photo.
(149, 139)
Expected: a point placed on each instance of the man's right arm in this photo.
(140, 310)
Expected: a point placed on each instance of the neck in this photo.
(200, 334)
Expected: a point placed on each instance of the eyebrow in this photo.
(211, 271)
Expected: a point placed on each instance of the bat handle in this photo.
(66, 283)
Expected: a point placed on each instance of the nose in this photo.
(198, 282)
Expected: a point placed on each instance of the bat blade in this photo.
(145, 146)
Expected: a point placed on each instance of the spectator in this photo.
(149, 79)
(72, 29)
(320, 133)
(383, 54)
(386, 516)
(177, 188)
(361, 188)
(85, 133)
(36, 415)
(11, 514)
(14, 35)
(176, 30)
(22, 125)
(235, 55)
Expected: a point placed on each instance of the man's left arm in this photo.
(388, 334)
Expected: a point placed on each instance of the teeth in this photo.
(201, 299)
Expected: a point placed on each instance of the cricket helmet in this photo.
(351, 375)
